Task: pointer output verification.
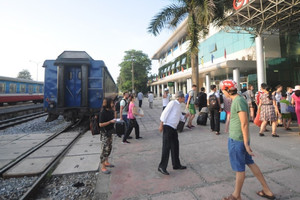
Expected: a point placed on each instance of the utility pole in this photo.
(132, 70)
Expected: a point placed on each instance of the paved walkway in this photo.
(208, 174)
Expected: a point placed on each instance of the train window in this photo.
(70, 75)
(22, 88)
(2, 87)
(79, 75)
(37, 89)
(12, 88)
(30, 89)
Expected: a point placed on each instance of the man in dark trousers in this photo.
(214, 106)
(169, 120)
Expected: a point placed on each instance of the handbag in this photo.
(257, 122)
(291, 109)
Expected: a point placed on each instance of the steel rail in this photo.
(21, 119)
(51, 167)
(33, 149)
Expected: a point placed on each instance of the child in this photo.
(284, 103)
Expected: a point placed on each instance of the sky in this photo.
(33, 31)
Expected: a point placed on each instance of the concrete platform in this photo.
(29, 167)
(84, 156)
(78, 164)
(208, 175)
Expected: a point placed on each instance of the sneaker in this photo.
(189, 127)
(126, 142)
(192, 126)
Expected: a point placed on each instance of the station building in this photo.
(262, 44)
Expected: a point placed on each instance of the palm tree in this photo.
(200, 14)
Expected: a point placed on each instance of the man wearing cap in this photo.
(240, 153)
(169, 120)
(166, 98)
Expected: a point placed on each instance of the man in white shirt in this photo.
(150, 99)
(166, 98)
(169, 120)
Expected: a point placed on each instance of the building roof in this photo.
(258, 16)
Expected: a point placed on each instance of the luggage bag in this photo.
(181, 124)
(202, 118)
(223, 116)
(120, 128)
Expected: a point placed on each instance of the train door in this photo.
(73, 87)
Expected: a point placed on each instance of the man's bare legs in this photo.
(257, 173)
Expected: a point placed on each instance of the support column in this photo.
(236, 77)
(261, 71)
(188, 85)
(176, 86)
(157, 91)
(179, 86)
(162, 89)
(151, 89)
(207, 83)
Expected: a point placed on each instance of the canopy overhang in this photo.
(260, 16)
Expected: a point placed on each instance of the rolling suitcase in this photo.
(120, 128)
(202, 118)
(223, 117)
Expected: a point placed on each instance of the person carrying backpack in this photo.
(124, 108)
(214, 107)
(191, 106)
(201, 100)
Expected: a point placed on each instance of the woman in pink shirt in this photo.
(132, 121)
(296, 102)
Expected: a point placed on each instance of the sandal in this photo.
(263, 194)
(109, 165)
(261, 134)
(231, 197)
(275, 135)
(105, 171)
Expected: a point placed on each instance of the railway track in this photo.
(21, 119)
(8, 171)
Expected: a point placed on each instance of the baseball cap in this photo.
(166, 89)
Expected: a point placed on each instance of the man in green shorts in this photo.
(240, 153)
(190, 104)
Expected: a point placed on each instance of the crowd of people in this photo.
(265, 107)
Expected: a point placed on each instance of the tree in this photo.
(142, 66)
(200, 14)
(24, 74)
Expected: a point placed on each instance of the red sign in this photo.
(237, 4)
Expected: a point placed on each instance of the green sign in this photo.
(170, 84)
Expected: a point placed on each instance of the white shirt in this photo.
(166, 100)
(216, 93)
(172, 114)
(150, 97)
(123, 103)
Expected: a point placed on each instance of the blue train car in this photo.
(75, 85)
(13, 90)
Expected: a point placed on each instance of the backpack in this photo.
(213, 101)
(118, 106)
(198, 98)
(94, 125)
(186, 98)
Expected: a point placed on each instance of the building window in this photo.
(2, 87)
(22, 88)
(30, 89)
(12, 88)
(37, 89)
